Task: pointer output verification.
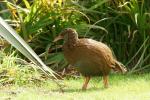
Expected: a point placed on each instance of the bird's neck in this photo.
(71, 40)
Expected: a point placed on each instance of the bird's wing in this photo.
(94, 46)
(98, 49)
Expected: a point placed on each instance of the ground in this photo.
(122, 87)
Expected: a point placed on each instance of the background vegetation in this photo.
(124, 25)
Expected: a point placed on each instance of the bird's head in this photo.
(66, 33)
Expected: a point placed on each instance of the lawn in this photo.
(122, 87)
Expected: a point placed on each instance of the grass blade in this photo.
(12, 37)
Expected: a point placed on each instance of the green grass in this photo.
(122, 87)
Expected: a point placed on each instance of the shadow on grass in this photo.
(80, 90)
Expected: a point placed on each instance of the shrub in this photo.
(14, 70)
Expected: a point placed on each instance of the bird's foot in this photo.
(106, 86)
(84, 88)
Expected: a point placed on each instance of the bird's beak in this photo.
(59, 37)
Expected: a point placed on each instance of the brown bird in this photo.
(90, 57)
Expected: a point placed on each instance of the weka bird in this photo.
(90, 57)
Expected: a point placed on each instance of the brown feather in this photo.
(90, 57)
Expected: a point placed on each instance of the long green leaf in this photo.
(12, 37)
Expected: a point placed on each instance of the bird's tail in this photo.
(118, 66)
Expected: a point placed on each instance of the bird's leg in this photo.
(105, 81)
(87, 79)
